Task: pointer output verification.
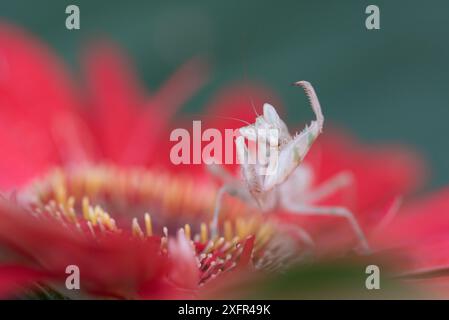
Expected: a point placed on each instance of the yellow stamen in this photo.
(228, 230)
(59, 187)
(70, 209)
(241, 229)
(137, 231)
(148, 225)
(95, 215)
(203, 233)
(105, 219)
(187, 231)
(219, 242)
(86, 208)
(70, 203)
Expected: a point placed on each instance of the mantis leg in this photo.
(233, 189)
(328, 187)
(231, 186)
(218, 200)
(331, 211)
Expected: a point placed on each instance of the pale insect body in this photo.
(289, 185)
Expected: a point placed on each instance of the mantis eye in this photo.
(270, 114)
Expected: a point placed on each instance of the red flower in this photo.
(115, 123)
(110, 146)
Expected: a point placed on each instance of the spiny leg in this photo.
(328, 187)
(314, 102)
(304, 209)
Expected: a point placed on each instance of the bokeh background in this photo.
(385, 85)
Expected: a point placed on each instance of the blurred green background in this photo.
(385, 85)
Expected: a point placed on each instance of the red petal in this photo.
(145, 137)
(115, 96)
(116, 265)
(418, 237)
(14, 278)
(245, 257)
(34, 91)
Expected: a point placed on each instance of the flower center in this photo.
(106, 199)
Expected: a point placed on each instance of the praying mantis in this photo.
(289, 186)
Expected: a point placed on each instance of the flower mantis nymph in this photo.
(289, 185)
